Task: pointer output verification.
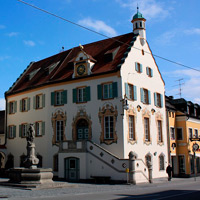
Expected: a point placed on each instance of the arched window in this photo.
(136, 25)
(161, 162)
(148, 159)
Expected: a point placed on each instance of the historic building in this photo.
(91, 105)
(2, 139)
(183, 128)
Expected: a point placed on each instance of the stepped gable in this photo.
(64, 63)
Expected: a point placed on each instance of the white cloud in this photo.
(191, 84)
(29, 43)
(2, 104)
(12, 34)
(2, 26)
(2, 58)
(98, 26)
(167, 37)
(149, 8)
(192, 31)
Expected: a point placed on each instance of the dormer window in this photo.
(33, 73)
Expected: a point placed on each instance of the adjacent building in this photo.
(184, 129)
(91, 105)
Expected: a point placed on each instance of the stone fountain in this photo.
(30, 176)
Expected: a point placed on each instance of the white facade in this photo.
(114, 160)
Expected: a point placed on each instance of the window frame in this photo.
(131, 127)
(161, 162)
(24, 129)
(24, 104)
(38, 126)
(38, 101)
(179, 128)
(59, 130)
(110, 91)
(81, 95)
(138, 67)
(196, 133)
(147, 129)
(174, 135)
(109, 127)
(11, 131)
(160, 131)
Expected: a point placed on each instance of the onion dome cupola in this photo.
(139, 24)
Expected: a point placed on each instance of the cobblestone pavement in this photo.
(83, 188)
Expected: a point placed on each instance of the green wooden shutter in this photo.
(87, 90)
(126, 90)
(28, 103)
(155, 98)
(14, 131)
(99, 91)
(34, 102)
(136, 66)
(43, 128)
(135, 92)
(161, 100)
(15, 106)
(20, 105)
(149, 96)
(115, 89)
(74, 95)
(141, 68)
(64, 97)
(20, 130)
(151, 72)
(142, 95)
(147, 70)
(52, 98)
(43, 100)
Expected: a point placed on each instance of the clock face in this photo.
(81, 69)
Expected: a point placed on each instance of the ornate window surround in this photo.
(131, 112)
(146, 114)
(58, 116)
(159, 117)
(81, 115)
(108, 110)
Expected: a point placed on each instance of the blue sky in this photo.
(172, 26)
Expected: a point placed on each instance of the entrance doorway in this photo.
(82, 129)
(72, 169)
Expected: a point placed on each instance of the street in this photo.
(176, 189)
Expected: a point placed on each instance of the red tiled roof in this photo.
(64, 70)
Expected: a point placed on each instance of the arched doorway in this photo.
(82, 129)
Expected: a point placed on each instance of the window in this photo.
(160, 137)
(190, 133)
(39, 101)
(25, 104)
(39, 128)
(179, 134)
(59, 98)
(81, 95)
(12, 107)
(131, 91)
(107, 90)
(196, 133)
(108, 127)
(161, 162)
(138, 67)
(146, 129)
(59, 131)
(158, 99)
(23, 128)
(172, 132)
(145, 96)
(148, 159)
(11, 131)
(131, 127)
(149, 71)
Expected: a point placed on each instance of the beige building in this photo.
(91, 105)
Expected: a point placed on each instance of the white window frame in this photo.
(107, 91)
(131, 127)
(11, 131)
(174, 135)
(38, 101)
(160, 136)
(24, 130)
(161, 165)
(59, 130)
(24, 104)
(38, 128)
(181, 132)
(109, 127)
(81, 94)
(58, 97)
(146, 129)
(12, 107)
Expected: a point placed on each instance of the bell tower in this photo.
(139, 25)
